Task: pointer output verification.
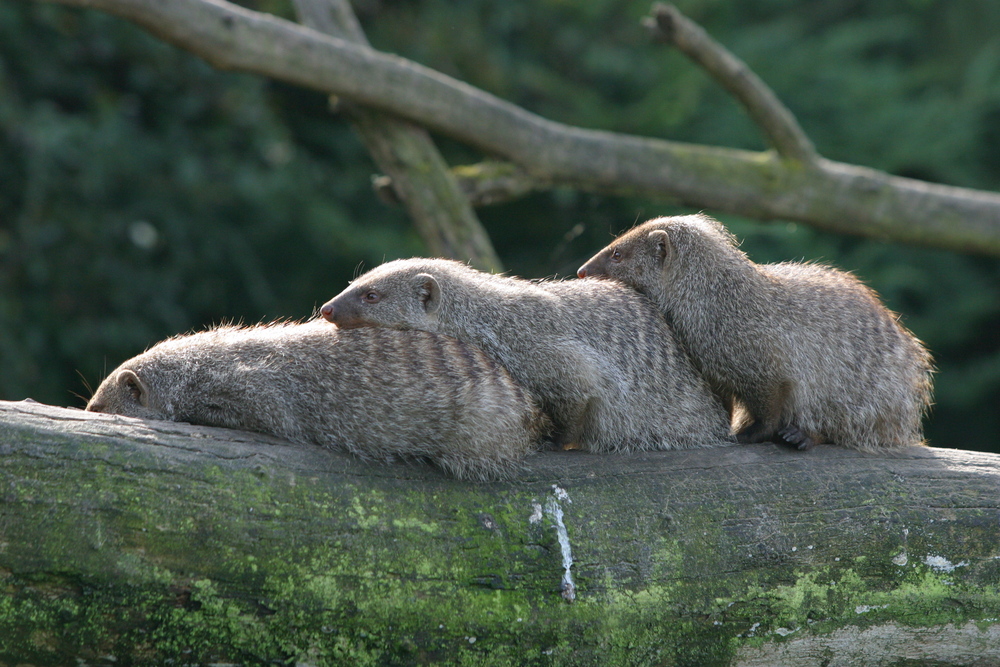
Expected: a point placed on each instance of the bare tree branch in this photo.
(484, 183)
(827, 195)
(765, 109)
(420, 176)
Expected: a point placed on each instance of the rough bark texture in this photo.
(825, 194)
(421, 180)
(145, 542)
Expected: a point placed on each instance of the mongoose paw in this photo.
(560, 443)
(564, 442)
(793, 436)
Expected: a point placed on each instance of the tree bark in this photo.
(825, 194)
(134, 541)
(421, 179)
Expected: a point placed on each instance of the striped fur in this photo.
(797, 346)
(376, 393)
(596, 356)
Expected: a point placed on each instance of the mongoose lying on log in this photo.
(379, 394)
(808, 351)
(597, 357)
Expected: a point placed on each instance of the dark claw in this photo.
(793, 436)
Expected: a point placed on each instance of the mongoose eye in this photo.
(616, 256)
(371, 297)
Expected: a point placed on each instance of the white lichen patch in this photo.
(864, 608)
(536, 513)
(784, 632)
(942, 564)
(554, 510)
(900, 559)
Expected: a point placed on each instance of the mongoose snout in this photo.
(599, 266)
(342, 312)
(595, 268)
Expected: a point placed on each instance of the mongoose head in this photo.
(125, 393)
(404, 294)
(646, 256)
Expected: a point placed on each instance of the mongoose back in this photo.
(379, 394)
(808, 351)
(590, 351)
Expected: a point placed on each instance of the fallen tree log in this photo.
(129, 541)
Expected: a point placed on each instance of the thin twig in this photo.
(774, 119)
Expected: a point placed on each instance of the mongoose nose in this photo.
(327, 312)
(582, 273)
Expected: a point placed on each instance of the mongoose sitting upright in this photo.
(378, 394)
(808, 351)
(589, 351)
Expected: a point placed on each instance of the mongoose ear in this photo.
(660, 243)
(130, 382)
(428, 291)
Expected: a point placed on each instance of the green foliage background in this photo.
(144, 194)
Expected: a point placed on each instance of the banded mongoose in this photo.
(589, 351)
(379, 394)
(807, 350)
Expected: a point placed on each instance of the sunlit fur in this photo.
(378, 394)
(598, 357)
(795, 344)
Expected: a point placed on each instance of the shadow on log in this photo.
(146, 542)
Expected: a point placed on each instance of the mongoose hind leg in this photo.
(570, 433)
(755, 433)
(793, 436)
(579, 430)
(767, 412)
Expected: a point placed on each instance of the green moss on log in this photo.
(187, 547)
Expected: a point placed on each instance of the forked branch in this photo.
(765, 109)
(827, 195)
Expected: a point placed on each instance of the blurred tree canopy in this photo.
(144, 194)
